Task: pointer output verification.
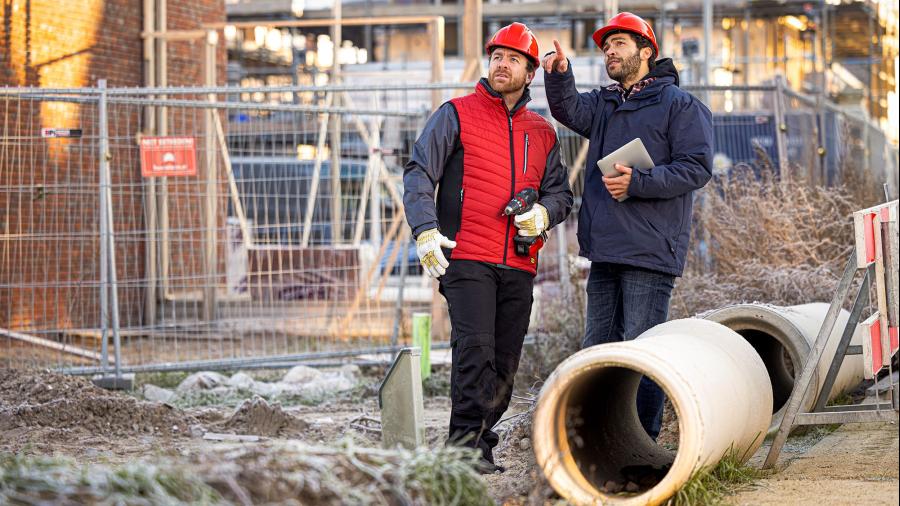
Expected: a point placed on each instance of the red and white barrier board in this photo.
(877, 247)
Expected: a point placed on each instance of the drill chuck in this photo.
(521, 202)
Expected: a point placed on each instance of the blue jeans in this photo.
(622, 303)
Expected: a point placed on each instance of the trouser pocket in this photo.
(474, 374)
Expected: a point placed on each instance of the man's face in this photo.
(508, 72)
(623, 58)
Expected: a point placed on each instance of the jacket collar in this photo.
(663, 75)
(640, 85)
(484, 90)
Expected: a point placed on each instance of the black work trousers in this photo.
(490, 307)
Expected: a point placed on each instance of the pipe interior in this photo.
(605, 435)
(778, 363)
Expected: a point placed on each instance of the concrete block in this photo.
(112, 382)
(401, 402)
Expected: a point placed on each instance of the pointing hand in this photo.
(555, 61)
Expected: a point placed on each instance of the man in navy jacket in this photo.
(637, 246)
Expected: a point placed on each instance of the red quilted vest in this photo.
(502, 154)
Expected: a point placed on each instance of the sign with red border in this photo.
(168, 156)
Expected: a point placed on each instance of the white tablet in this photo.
(632, 154)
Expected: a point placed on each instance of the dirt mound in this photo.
(257, 417)
(37, 387)
(47, 399)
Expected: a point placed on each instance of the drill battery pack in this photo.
(529, 246)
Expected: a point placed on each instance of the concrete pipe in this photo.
(783, 337)
(586, 430)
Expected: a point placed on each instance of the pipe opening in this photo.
(608, 444)
(778, 363)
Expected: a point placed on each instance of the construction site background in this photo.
(265, 257)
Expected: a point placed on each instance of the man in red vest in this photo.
(479, 151)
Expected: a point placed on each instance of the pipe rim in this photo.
(770, 320)
(610, 355)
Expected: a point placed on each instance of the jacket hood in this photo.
(665, 68)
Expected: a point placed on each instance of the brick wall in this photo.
(49, 241)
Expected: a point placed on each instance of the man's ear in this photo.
(646, 53)
(529, 76)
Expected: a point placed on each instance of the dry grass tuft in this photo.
(763, 239)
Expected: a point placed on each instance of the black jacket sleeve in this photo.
(423, 172)
(555, 192)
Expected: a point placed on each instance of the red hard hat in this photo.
(518, 37)
(626, 21)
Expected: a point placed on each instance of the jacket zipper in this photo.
(512, 186)
(525, 163)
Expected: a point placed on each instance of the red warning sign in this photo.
(168, 156)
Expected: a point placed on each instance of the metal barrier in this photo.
(263, 254)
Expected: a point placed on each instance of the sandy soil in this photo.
(856, 464)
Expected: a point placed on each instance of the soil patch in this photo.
(47, 399)
(668, 433)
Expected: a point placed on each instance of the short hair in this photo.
(641, 43)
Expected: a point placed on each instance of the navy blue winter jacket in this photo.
(650, 229)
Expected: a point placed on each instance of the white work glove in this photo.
(428, 247)
(533, 222)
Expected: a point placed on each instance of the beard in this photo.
(628, 68)
(511, 84)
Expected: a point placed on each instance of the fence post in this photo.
(210, 263)
(781, 128)
(107, 239)
(821, 150)
(150, 200)
(104, 231)
(337, 230)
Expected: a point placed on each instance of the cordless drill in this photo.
(522, 202)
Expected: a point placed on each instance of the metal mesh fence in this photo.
(49, 273)
(290, 239)
(264, 252)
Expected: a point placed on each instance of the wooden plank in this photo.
(881, 290)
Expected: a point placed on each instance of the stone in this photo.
(241, 380)
(326, 386)
(301, 374)
(204, 380)
(612, 487)
(524, 443)
(156, 394)
(197, 431)
(264, 389)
